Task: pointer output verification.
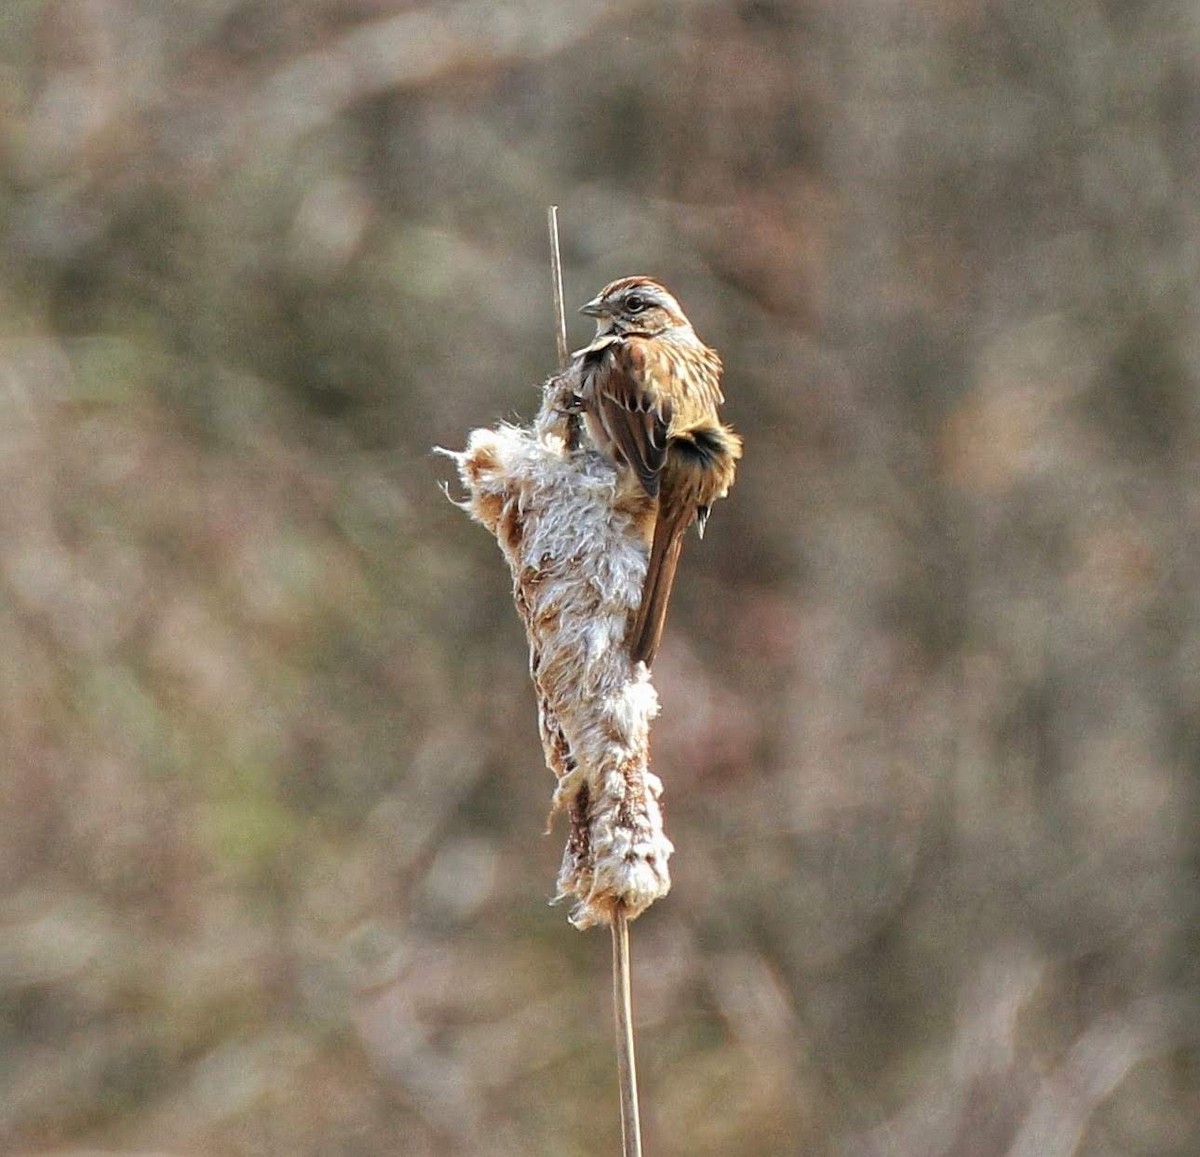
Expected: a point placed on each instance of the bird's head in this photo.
(635, 305)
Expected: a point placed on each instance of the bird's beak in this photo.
(593, 308)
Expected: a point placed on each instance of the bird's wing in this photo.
(623, 388)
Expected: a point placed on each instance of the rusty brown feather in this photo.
(651, 395)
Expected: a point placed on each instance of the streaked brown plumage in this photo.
(650, 394)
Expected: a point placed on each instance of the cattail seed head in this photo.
(574, 536)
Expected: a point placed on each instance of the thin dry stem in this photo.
(631, 1127)
(560, 316)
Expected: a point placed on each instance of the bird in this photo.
(650, 396)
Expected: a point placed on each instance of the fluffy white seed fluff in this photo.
(574, 540)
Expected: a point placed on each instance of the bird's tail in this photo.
(665, 548)
(699, 469)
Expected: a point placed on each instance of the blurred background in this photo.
(272, 871)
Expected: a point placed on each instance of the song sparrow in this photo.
(650, 391)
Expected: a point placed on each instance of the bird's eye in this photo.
(635, 303)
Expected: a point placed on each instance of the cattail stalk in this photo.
(560, 316)
(570, 528)
(631, 1124)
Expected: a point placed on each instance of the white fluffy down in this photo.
(578, 561)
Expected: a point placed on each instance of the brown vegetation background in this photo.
(272, 878)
